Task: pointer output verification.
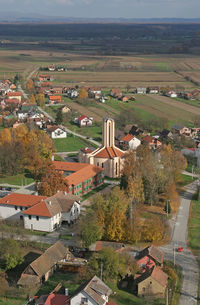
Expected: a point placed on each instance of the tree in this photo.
(11, 254)
(40, 99)
(32, 99)
(59, 117)
(107, 263)
(83, 94)
(128, 87)
(30, 85)
(51, 181)
(91, 231)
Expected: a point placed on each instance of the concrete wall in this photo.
(10, 212)
(73, 214)
(43, 224)
(76, 300)
(150, 287)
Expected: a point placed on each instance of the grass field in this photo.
(69, 144)
(193, 231)
(18, 180)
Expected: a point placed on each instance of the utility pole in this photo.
(167, 297)
(167, 208)
(192, 172)
(174, 254)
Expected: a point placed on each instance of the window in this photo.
(37, 217)
(143, 288)
(21, 209)
(29, 216)
(15, 207)
(84, 300)
(102, 165)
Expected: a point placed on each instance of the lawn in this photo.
(20, 179)
(71, 143)
(12, 301)
(94, 191)
(193, 231)
(186, 180)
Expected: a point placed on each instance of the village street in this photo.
(184, 259)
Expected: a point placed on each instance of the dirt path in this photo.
(84, 110)
(180, 105)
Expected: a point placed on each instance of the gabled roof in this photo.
(156, 273)
(17, 93)
(22, 200)
(53, 128)
(57, 299)
(44, 208)
(65, 200)
(82, 117)
(48, 259)
(148, 139)
(109, 153)
(154, 252)
(128, 138)
(95, 289)
(55, 97)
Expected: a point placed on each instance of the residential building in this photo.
(171, 94)
(64, 109)
(56, 132)
(151, 283)
(13, 205)
(141, 90)
(44, 216)
(44, 78)
(57, 299)
(108, 156)
(116, 93)
(150, 257)
(152, 142)
(153, 90)
(94, 292)
(80, 178)
(179, 129)
(130, 142)
(15, 95)
(70, 206)
(55, 99)
(57, 90)
(40, 270)
(83, 120)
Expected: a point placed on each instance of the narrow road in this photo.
(68, 130)
(185, 259)
(27, 78)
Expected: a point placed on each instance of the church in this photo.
(108, 156)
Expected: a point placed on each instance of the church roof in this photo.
(109, 153)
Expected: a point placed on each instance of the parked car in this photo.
(180, 249)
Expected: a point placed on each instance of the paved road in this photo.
(185, 259)
(68, 130)
(27, 78)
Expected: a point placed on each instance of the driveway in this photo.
(185, 259)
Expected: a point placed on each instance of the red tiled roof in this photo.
(44, 208)
(82, 117)
(12, 100)
(160, 276)
(21, 200)
(109, 153)
(82, 171)
(55, 97)
(148, 139)
(14, 93)
(128, 138)
(57, 299)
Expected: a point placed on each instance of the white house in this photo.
(22, 115)
(171, 94)
(96, 292)
(153, 90)
(141, 90)
(70, 206)
(56, 132)
(83, 121)
(13, 205)
(43, 216)
(130, 142)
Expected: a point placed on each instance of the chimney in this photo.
(66, 291)
(49, 202)
(52, 158)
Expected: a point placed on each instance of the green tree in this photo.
(59, 117)
(91, 231)
(11, 254)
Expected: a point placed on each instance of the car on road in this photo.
(180, 249)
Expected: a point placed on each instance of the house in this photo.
(44, 78)
(178, 129)
(83, 120)
(102, 99)
(116, 93)
(171, 94)
(151, 283)
(141, 90)
(56, 132)
(52, 67)
(130, 142)
(15, 95)
(12, 101)
(57, 90)
(107, 156)
(70, 206)
(165, 133)
(55, 99)
(94, 292)
(64, 109)
(13, 205)
(153, 90)
(80, 177)
(57, 299)
(72, 93)
(125, 99)
(40, 270)
(44, 216)
(46, 84)
(136, 131)
(152, 142)
(150, 257)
